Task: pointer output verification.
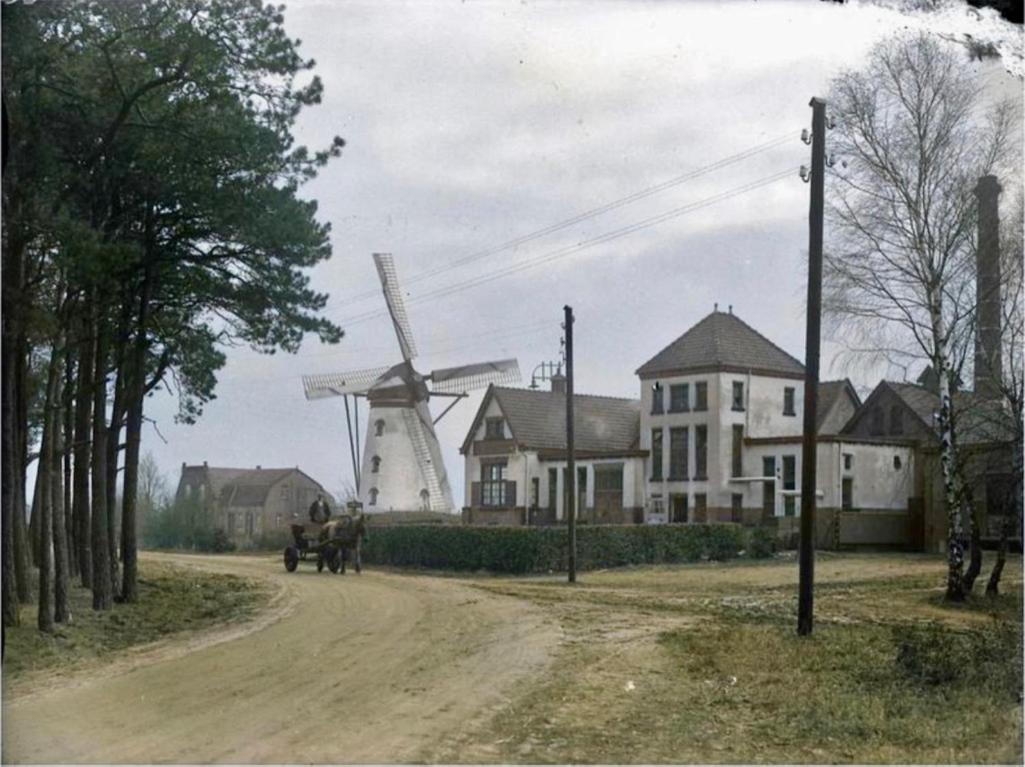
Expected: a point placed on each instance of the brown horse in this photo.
(344, 535)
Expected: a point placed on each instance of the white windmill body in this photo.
(402, 466)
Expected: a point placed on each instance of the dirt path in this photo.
(371, 668)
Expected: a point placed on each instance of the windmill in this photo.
(402, 466)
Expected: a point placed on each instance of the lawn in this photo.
(701, 663)
(172, 600)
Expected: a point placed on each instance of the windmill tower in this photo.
(402, 467)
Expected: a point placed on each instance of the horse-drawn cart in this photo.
(330, 543)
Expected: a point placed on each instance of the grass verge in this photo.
(172, 600)
(701, 664)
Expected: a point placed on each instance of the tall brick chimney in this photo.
(987, 290)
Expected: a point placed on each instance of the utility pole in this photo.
(352, 448)
(805, 597)
(571, 468)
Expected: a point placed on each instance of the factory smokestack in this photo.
(987, 290)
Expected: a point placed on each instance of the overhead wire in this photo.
(584, 216)
(580, 246)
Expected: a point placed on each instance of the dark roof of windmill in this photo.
(722, 341)
(830, 393)
(537, 420)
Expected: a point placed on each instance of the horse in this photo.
(345, 534)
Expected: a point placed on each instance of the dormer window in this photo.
(679, 398)
(701, 396)
(657, 407)
(494, 428)
(379, 427)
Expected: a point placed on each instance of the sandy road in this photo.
(371, 668)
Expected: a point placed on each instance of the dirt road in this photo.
(370, 668)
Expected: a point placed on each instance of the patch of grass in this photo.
(702, 664)
(171, 600)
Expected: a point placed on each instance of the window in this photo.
(678, 508)
(492, 486)
(379, 427)
(285, 492)
(769, 487)
(701, 395)
(494, 428)
(656, 454)
(678, 453)
(375, 464)
(656, 399)
(896, 420)
(737, 508)
(679, 398)
(737, 467)
(535, 491)
(738, 395)
(896, 462)
(700, 507)
(848, 494)
(848, 461)
(788, 401)
(231, 523)
(701, 452)
(249, 523)
(789, 483)
(277, 520)
(373, 497)
(553, 488)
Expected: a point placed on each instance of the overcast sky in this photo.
(471, 124)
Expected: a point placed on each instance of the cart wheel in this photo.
(291, 558)
(320, 563)
(334, 560)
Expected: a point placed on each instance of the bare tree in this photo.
(911, 142)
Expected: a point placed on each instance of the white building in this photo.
(515, 456)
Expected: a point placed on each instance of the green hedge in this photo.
(543, 549)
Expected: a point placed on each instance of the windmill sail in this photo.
(337, 384)
(396, 306)
(421, 434)
(477, 376)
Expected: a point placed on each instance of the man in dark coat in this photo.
(320, 512)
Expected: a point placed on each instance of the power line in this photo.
(588, 214)
(580, 246)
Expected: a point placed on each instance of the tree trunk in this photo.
(22, 563)
(102, 586)
(971, 513)
(133, 435)
(7, 504)
(67, 440)
(82, 450)
(948, 462)
(43, 500)
(62, 576)
(113, 450)
(1012, 518)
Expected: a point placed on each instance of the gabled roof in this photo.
(722, 341)
(919, 399)
(241, 487)
(830, 394)
(537, 420)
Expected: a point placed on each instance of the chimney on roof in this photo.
(204, 464)
(559, 383)
(987, 290)
(257, 467)
(731, 308)
(715, 306)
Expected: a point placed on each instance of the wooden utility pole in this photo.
(805, 597)
(571, 468)
(352, 446)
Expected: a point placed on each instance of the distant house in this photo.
(247, 503)
(516, 467)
